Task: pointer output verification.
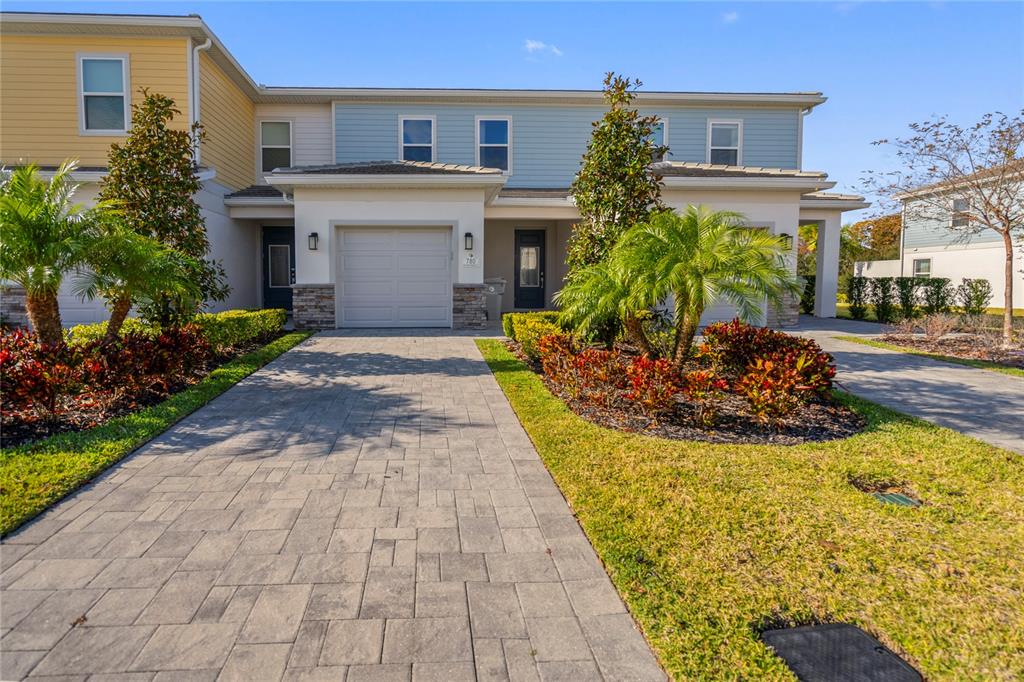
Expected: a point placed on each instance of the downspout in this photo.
(903, 234)
(193, 92)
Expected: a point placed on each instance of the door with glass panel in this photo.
(529, 269)
(278, 266)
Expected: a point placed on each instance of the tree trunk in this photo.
(687, 321)
(44, 314)
(1008, 290)
(635, 329)
(118, 313)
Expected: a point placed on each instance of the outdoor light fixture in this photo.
(469, 241)
(787, 241)
(314, 238)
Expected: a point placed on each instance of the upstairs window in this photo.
(417, 138)
(725, 142)
(659, 137)
(493, 143)
(103, 95)
(275, 145)
(961, 216)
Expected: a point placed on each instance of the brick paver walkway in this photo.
(365, 507)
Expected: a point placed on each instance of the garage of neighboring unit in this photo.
(394, 276)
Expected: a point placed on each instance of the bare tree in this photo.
(969, 179)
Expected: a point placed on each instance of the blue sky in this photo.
(882, 65)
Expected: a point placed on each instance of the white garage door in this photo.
(75, 310)
(394, 277)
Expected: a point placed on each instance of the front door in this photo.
(529, 273)
(278, 266)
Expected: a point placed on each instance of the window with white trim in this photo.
(961, 216)
(659, 136)
(725, 142)
(103, 94)
(416, 136)
(275, 145)
(494, 143)
(922, 267)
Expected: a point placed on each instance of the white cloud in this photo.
(538, 47)
(730, 17)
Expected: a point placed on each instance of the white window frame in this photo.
(664, 135)
(964, 214)
(913, 267)
(508, 145)
(260, 146)
(126, 93)
(738, 122)
(433, 135)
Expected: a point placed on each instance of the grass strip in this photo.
(709, 544)
(969, 362)
(36, 475)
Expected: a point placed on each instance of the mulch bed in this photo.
(963, 346)
(78, 415)
(818, 420)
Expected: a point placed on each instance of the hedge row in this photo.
(906, 297)
(221, 330)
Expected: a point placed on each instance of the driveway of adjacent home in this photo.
(980, 403)
(367, 505)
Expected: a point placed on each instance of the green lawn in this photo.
(980, 364)
(709, 543)
(36, 475)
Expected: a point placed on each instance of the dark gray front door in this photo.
(278, 266)
(529, 273)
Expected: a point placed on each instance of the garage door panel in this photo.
(394, 277)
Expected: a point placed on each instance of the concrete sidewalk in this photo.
(980, 403)
(365, 507)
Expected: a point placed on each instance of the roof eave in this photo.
(801, 184)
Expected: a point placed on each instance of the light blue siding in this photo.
(548, 141)
(927, 227)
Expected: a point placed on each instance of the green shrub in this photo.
(883, 295)
(906, 291)
(973, 296)
(509, 321)
(807, 296)
(221, 330)
(937, 295)
(857, 293)
(232, 327)
(530, 331)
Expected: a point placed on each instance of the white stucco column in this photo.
(826, 284)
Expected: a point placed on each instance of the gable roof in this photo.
(193, 26)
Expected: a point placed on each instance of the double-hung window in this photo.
(961, 216)
(494, 143)
(922, 267)
(275, 145)
(725, 142)
(103, 94)
(416, 138)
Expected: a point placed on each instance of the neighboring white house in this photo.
(935, 243)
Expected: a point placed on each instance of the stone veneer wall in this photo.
(785, 315)
(12, 306)
(469, 306)
(313, 306)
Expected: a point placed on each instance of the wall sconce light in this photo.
(469, 241)
(787, 241)
(314, 239)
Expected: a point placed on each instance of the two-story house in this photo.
(366, 207)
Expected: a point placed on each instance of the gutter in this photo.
(193, 92)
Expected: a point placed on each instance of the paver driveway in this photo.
(365, 507)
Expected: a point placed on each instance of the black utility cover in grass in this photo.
(838, 652)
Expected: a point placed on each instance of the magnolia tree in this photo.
(968, 179)
(615, 187)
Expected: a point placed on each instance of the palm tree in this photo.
(697, 259)
(597, 294)
(43, 236)
(126, 268)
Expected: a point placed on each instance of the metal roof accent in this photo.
(692, 169)
(387, 168)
